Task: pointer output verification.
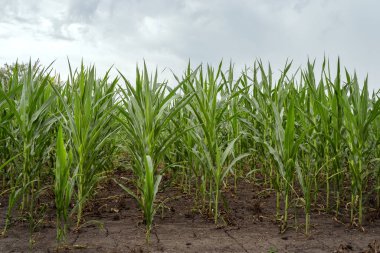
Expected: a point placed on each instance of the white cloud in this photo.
(167, 33)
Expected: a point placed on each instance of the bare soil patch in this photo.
(248, 225)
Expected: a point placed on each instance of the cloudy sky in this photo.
(167, 33)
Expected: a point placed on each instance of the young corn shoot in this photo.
(29, 101)
(88, 106)
(210, 113)
(145, 113)
(359, 113)
(63, 186)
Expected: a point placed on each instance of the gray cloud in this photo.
(83, 11)
(169, 32)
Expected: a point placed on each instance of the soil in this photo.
(114, 224)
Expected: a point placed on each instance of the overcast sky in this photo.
(166, 33)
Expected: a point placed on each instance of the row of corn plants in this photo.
(313, 139)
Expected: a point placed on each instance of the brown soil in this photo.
(248, 225)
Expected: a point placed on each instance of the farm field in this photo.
(221, 160)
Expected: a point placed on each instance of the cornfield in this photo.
(311, 138)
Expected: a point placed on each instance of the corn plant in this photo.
(307, 165)
(263, 108)
(234, 130)
(28, 100)
(359, 113)
(64, 183)
(335, 105)
(88, 105)
(212, 151)
(145, 113)
(8, 144)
